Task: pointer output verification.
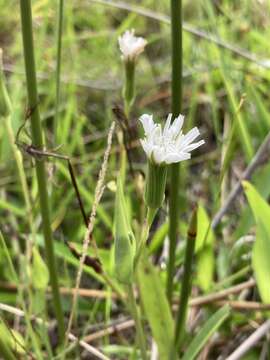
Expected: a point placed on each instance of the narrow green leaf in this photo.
(241, 126)
(40, 273)
(262, 184)
(12, 340)
(205, 268)
(125, 245)
(261, 248)
(263, 114)
(208, 329)
(156, 307)
(260, 261)
(205, 235)
(205, 250)
(158, 237)
(10, 267)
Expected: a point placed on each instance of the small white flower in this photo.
(131, 46)
(169, 145)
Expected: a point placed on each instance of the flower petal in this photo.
(167, 124)
(158, 155)
(168, 145)
(193, 146)
(147, 123)
(176, 157)
(190, 136)
(177, 125)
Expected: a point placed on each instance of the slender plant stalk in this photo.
(28, 44)
(58, 66)
(186, 284)
(145, 233)
(176, 34)
(136, 316)
(129, 87)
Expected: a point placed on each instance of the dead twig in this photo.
(258, 158)
(201, 300)
(244, 305)
(109, 330)
(250, 342)
(88, 293)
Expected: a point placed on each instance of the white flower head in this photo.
(130, 45)
(168, 145)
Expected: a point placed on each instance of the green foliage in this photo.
(205, 333)
(5, 104)
(204, 250)
(156, 307)
(261, 248)
(39, 271)
(155, 185)
(218, 78)
(125, 244)
(11, 341)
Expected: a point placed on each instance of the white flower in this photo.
(130, 45)
(169, 145)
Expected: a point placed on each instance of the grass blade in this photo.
(208, 329)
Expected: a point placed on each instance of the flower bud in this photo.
(131, 46)
(5, 104)
(155, 185)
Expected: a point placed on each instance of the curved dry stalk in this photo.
(250, 341)
(98, 194)
(262, 152)
(109, 330)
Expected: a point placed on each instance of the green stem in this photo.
(28, 45)
(138, 324)
(151, 213)
(176, 34)
(129, 88)
(58, 66)
(186, 284)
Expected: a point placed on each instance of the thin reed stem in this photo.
(186, 284)
(136, 317)
(31, 82)
(151, 213)
(176, 34)
(58, 66)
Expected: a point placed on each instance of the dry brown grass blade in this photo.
(98, 194)
(109, 330)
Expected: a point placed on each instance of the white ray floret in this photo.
(168, 145)
(130, 45)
